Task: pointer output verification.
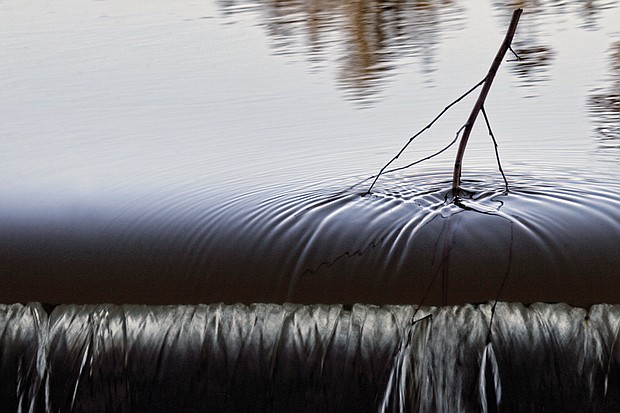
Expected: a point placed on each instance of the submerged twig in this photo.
(488, 80)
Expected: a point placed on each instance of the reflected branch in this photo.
(488, 81)
(604, 105)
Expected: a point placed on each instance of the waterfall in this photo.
(309, 358)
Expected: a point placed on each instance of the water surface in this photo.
(182, 152)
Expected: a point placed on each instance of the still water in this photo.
(186, 152)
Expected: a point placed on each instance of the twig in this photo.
(488, 80)
(495, 146)
(426, 158)
(514, 53)
(419, 133)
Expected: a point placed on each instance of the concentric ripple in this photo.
(408, 242)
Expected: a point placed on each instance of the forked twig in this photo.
(418, 134)
(468, 127)
(517, 57)
(488, 80)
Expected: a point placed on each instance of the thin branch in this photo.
(426, 158)
(458, 164)
(495, 146)
(422, 131)
(515, 54)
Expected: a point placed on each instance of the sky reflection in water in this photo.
(236, 95)
(568, 58)
(367, 40)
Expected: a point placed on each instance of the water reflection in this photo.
(401, 244)
(604, 105)
(377, 33)
(531, 43)
(366, 39)
(588, 12)
(534, 42)
(534, 61)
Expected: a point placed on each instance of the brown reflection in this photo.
(378, 33)
(534, 62)
(365, 38)
(590, 11)
(604, 105)
(537, 55)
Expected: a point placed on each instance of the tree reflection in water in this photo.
(534, 43)
(366, 39)
(604, 105)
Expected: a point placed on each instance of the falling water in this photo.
(230, 358)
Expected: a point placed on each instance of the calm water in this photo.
(172, 152)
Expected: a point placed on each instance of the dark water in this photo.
(407, 242)
(310, 358)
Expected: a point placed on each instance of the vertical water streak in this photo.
(402, 393)
(489, 363)
(307, 358)
(23, 358)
